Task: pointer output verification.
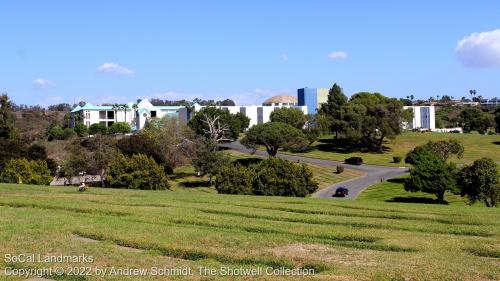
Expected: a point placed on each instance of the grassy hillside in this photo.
(340, 240)
(476, 146)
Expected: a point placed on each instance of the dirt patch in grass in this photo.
(316, 252)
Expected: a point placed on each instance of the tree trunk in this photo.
(440, 197)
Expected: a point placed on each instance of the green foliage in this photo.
(22, 170)
(81, 130)
(98, 128)
(241, 121)
(375, 117)
(234, 179)
(473, 119)
(76, 162)
(431, 174)
(6, 117)
(119, 128)
(396, 159)
(167, 140)
(229, 125)
(278, 177)
(275, 135)
(479, 182)
(443, 149)
(209, 159)
(291, 116)
(333, 109)
(15, 148)
(137, 172)
(497, 122)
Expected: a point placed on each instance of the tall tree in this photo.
(275, 135)
(291, 116)
(333, 109)
(216, 123)
(376, 117)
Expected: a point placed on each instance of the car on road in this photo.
(341, 192)
(354, 161)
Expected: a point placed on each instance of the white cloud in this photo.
(481, 49)
(41, 83)
(284, 57)
(113, 68)
(338, 55)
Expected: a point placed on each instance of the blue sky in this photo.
(118, 51)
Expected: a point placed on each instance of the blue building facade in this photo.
(312, 98)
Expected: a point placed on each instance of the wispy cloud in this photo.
(337, 55)
(113, 68)
(480, 49)
(41, 83)
(284, 57)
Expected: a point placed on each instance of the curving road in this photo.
(373, 173)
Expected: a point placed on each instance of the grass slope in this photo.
(341, 240)
(476, 146)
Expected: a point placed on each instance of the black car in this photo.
(354, 161)
(341, 192)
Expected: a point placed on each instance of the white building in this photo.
(137, 115)
(424, 117)
(259, 114)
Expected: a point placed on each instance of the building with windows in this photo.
(423, 118)
(137, 115)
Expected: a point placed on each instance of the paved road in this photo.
(373, 173)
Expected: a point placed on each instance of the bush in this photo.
(81, 130)
(354, 161)
(340, 169)
(56, 132)
(275, 176)
(479, 182)
(209, 160)
(26, 171)
(120, 128)
(137, 172)
(68, 133)
(396, 159)
(98, 129)
(234, 179)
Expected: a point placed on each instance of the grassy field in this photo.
(366, 239)
(476, 146)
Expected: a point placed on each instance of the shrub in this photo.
(137, 172)
(396, 159)
(234, 179)
(354, 161)
(479, 182)
(98, 129)
(209, 160)
(120, 128)
(67, 133)
(26, 171)
(340, 169)
(81, 130)
(275, 176)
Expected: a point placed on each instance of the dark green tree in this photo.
(275, 135)
(333, 109)
(6, 117)
(479, 182)
(497, 121)
(291, 116)
(119, 128)
(81, 130)
(473, 119)
(378, 117)
(443, 149)
(243, 121)
(431, 174)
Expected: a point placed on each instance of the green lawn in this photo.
(476, 146)
(340, 240)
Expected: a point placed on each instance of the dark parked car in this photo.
(354, 161)
(341, 192)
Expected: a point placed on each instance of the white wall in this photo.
(416, 123)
